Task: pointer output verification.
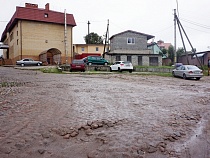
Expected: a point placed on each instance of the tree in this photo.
(171, 53)
(164, 51)
(179, 53)
(93, 38)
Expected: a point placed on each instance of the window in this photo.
(17, 33)
(17, 41)
(83, 49)
(129, 58)
(11, 36)
(130, 40)
(118, 58)
(140, 60)
(97, 49)
(45, 15)
(153, 61)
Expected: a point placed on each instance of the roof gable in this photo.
(130, 31)
(33, 13)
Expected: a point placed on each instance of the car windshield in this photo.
(78, 62)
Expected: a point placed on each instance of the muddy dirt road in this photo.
(102, 116)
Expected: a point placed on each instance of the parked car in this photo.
(28, 62)
(188, 71)
(122, 66)
(96, 60)
(77, 65)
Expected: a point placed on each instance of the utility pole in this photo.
(88, 40)
(175, 55)
(106, 39)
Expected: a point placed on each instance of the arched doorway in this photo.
(51, 56)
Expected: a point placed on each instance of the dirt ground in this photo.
(102, 115)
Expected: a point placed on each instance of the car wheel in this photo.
(70, 70)
(173, 73)
(89, 63)
(130, 71)
(22, 64)
(119, 69)
(105, 63)
(110, 69)
(197, 78)
(184, 76)
(38, 64)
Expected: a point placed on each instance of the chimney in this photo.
(47, 6)
(30, 5)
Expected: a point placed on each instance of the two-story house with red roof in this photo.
(40, 34)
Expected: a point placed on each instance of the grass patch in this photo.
(51, 70)
(158, 67)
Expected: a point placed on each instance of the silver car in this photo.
(188, 71)
(28, 62)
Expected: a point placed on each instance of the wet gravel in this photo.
(102, 115)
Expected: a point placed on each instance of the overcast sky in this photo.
(154, 17)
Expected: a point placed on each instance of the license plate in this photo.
(78, 66)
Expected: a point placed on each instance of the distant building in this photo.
(203, 58)
(163, 45)
(155, 48)
(132, 46)
(38, 33)
(83, 50)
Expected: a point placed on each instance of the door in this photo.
(140, 60)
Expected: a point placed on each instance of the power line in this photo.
(195, 23)
(196, 29)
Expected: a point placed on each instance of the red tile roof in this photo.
(37, 14)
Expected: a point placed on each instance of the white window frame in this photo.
(130, 40)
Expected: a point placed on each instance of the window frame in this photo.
(129, 58)
(118, 57)
(131, 40)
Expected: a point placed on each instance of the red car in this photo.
(77, 65)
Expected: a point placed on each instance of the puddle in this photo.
(198, 131)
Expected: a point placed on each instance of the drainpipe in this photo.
(21, 43)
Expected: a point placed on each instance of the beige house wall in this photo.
(89, 48)
(32, 38)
